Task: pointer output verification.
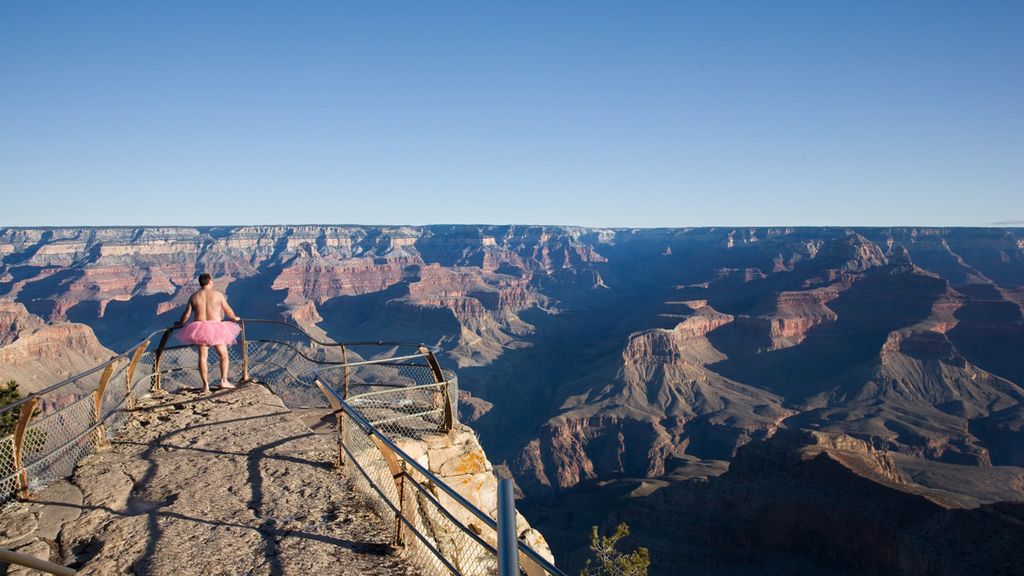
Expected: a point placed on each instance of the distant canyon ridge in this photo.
(641, 361)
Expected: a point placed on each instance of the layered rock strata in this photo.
(825, 499)
(599, 355)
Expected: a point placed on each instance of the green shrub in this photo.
(610, 561)
(8, 395)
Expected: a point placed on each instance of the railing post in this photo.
(438, 374)
(245, 354)
(449, 410)
(339, 416)
(28, 410)
(130, 374)
(97, 404)
(344, 372)
(407, 508)
(435, 366)
(508, 543)
(405, 501)
(155, 386)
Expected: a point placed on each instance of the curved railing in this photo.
(56, 426)
(384, 394)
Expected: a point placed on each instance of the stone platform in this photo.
(231, 483)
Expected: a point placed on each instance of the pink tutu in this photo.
(209, 333)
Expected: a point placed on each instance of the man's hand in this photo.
(184, 317)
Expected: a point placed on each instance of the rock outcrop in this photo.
(459, 461)
(15, 320)
(226, 484)
(37, 354)
(812, 503)
(664, 405)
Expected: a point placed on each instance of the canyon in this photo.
(720, 389)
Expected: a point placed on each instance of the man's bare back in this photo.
(208, 304)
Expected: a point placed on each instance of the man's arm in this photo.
(227, 309)
(188, 312)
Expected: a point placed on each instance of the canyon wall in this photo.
(589, 356)
(36, 354)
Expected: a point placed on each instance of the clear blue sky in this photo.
(590, 113)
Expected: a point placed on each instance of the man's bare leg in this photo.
(203, 354)
(222, 351)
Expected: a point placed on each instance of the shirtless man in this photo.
(208, 328)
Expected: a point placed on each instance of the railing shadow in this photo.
(268, 529)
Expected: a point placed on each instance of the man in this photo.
(209, 328)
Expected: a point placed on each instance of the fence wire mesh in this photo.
(433, 539)
(8, 472)
(55, 443)
(143, 378)
(279, 366)
(179, 367)
(113, 405)
(468, 546)
(374, 478)
(404, 412)
(65, 427)
(441, 535)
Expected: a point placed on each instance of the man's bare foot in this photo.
(206, 390)
(226, 385)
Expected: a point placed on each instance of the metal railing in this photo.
(440, 529)
(381, 393)
(58, 425)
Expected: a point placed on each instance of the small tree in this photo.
(35, 440)
(609, 561)
(8, 395)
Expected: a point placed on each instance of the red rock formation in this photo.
(319, 280)
(793, 314)
(14, 320)
(48, 354)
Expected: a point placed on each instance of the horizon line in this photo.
(1007, 225)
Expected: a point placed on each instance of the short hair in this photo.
(204, 279)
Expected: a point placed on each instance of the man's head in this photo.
(205, 279)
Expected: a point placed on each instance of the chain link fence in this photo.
(179, 368)
(278, 366)
(55, 443)
(441, 532)
(8, 471)
(433, 539)
(411, 412)
(67, 421)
